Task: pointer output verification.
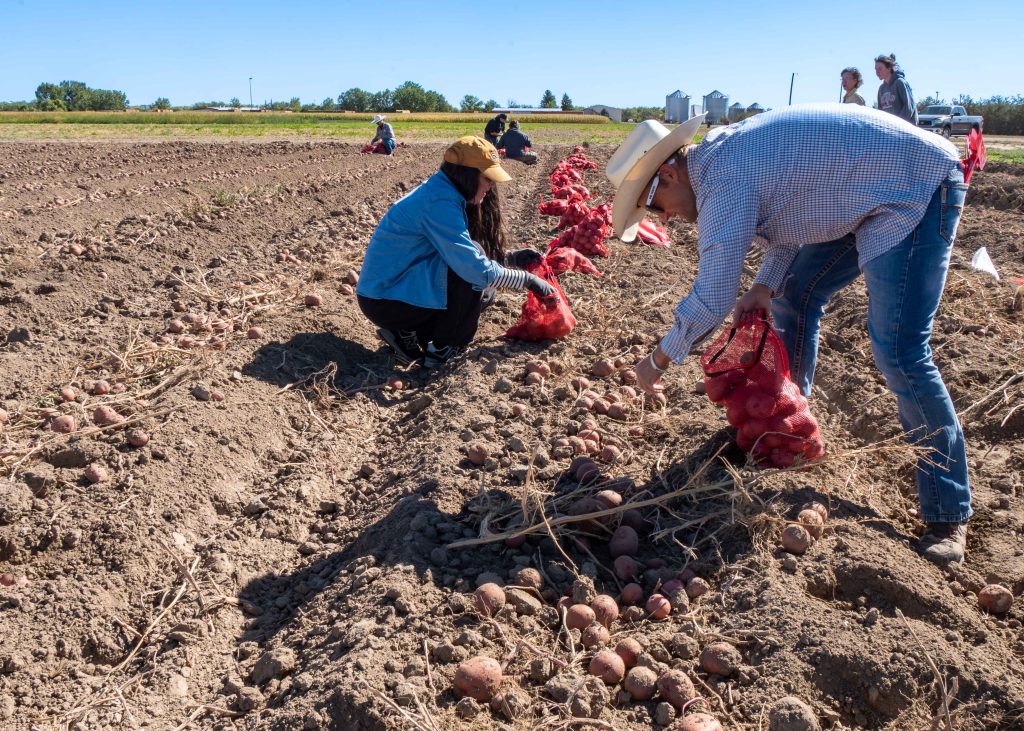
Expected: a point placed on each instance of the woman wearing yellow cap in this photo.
(438, 255)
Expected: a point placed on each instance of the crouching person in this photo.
(516, 145)
(438, 255)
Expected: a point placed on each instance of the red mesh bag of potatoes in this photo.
(564, 259)
(747, 371)
(540, 319)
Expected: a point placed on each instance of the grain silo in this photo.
(677, 107)
(716, 104)
(736, 112)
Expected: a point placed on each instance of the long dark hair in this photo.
(486, 226)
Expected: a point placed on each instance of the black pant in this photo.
(455, 325)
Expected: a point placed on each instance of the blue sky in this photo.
(614, 53)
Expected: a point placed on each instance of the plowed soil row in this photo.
(278, 553)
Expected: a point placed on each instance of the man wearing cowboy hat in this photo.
(830, 193)
(385, 135)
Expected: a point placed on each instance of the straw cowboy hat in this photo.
(636, 161)
(379, 118)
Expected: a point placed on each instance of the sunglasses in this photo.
(649, 205)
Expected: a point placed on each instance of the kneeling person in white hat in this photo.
(830, 192)
(385, 135)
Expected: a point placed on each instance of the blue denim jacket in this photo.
(420, 237)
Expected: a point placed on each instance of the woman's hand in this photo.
(523, 258)
(648, 377)
(758, 297)
(540, 287)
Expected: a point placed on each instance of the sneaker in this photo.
(403, 343)
(437, 357)
(944, 543)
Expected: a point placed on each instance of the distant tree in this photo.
(50, 98)
(235, 102)
(490, 104)
(17, 106)
(566, 103)
(327, 104)
(513, 104)
(548, 101)
(76, 95)
(162, 104)
(355, 100)
(641, 114)
(295, 105)
(381, 101)
(470, 103)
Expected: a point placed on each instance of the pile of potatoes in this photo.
(797, 537)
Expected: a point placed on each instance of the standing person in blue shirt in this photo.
(894, 95)
(830, 193)
(438, 255)
(495, 128)
(516, 143)
(385, 135)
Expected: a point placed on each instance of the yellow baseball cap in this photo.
(474, 152)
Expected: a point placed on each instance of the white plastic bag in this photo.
(983, 262)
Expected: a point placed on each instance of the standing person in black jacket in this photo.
(516, 143)
(495, 128)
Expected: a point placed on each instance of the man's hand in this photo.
(758, 297)
(647, 376)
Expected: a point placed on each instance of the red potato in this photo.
(641, 683)
(606, 609)
(624, 542)
(796, 539)
(68, 394)
(819, 509)
(479, 678)
(138, 438)
(629, 650)
(312, 300)
(632, 594)
(176, 326)
(761, 405)
(611, 454)
(812, 522)
(669, 586)
(736, 412)
(658, 607)
(589, 435)
(601, 406)
(580, 383)
(609, 498)
(530, 578)
(676, 687)
(95, 473)
(63, 424)
(578, 446)
(595, 635)
(627, 569)
(519, 409)
(352, 277)
(347, 289)
(717, 388)
(488, 599)
(563, 604)
(612, 398)
(720, 658)
(539, 367)
(589, 472)
(395, 383)
(106, 416)
(533, 379)
(579, 616)
(697, 722)
(478, 453)
(753, 428)
(995, 598)
(697, 587)
(608, 666)
(254, 333)
(602, 368)
(619, 412)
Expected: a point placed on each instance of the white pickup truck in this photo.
(948, 120)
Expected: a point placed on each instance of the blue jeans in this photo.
(904, 288)
(389, 146)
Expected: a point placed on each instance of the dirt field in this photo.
(278, 554)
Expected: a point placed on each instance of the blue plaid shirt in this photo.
(806, 174)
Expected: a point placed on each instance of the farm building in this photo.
(716, 104)
(527, 110)
(613, 113)
(755, 108)
(736, 112)
(677, 107)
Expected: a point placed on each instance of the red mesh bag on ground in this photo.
(373, 148)
(564, 259)
(653, 234)
(553, 207)
(542, 320)
(747, 371)
(575, 212)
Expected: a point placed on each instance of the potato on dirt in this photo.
(624, 542)
(658, 607)
(995, 598)
(533, 379)
(697, 722)
(63, 424)
(641, 683)
(478, 678)
(611, 454)
(629, 650)
(352, 277)
(606, 609)
(796, 539)
(812, 522)
(819, 509)
(529, 577)
(676, 687)
(608, 666)
(95, 473)
(720, 658)
(488, 599)
(106, 416)
(539, 367)
(602, 368)
(595, 635)
(312, 300)
(609, 498)
(697, 587)
(138, 438)
(580, 383)
(347, 289)
(254, 333)
(100, 388)
(626, 569)
(792, 714)
(579, 616)
(478, 453)
(68, 394)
